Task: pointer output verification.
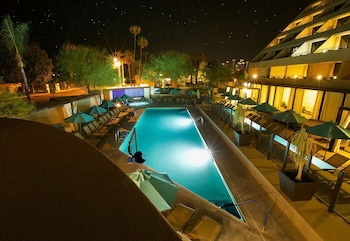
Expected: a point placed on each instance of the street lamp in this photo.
(117, 64)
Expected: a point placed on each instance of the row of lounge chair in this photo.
(205, 229)
(93, 131)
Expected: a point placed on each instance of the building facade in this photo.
(306, 67)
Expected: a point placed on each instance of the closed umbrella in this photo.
(95, 110)
(265, 107)
(79, 118)
(158, 187)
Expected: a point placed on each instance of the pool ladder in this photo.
(199, 118)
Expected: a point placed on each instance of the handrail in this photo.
(252, 201)
(133, 135)
(198, 118)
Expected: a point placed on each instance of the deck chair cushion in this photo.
(179, 216)
(206, 229)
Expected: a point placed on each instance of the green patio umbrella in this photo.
(108, 104)
(174, 91)
(248, 101)
(79, 118)
(125, 97)
(289, 116)
(265, 107)
(95, 110)
(117, 99)
(234, 97)
(329, 130)
(191, 92)
(158, 187)
(226, 94)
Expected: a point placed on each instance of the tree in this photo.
(135, 30)
(128, 60)
(87, 66)
(39, 65)
(218, 73)
(303, 147)
(16, 38)
(143, 43)
(197, 62)
(171, 64)
(8, 65)
(13, 106)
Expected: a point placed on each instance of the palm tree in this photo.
(135, 30)
(128, 60)
(143, 43)
(16, 38)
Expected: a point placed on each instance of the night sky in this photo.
(222, 29)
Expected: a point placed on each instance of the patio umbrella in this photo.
(289, 116)
(117, 99)
(158, 187)
(125, 97)
(329, 130)
(191, 92)
(108, 104)
(174, 91)
(226, 94)
(248, 101)
(95, 110)
(235, 97)
(265, 107)
(79, 118)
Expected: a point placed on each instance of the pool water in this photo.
(171, 143)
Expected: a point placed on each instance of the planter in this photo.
(297, 190)
(242, 139)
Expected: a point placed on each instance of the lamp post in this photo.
(117, 64)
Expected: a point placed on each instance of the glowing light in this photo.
(255, 76)
(195, 157)
(319, 77)
(295, 76)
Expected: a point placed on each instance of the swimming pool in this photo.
(171, 143)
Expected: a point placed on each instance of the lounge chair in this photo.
(345, 189)
(206, 229)
(179, 216)
(336, 160)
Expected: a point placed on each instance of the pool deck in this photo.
(251, 177)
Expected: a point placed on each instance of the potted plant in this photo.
(241, 134)
(295, 183)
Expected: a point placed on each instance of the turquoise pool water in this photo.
(171, 143)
